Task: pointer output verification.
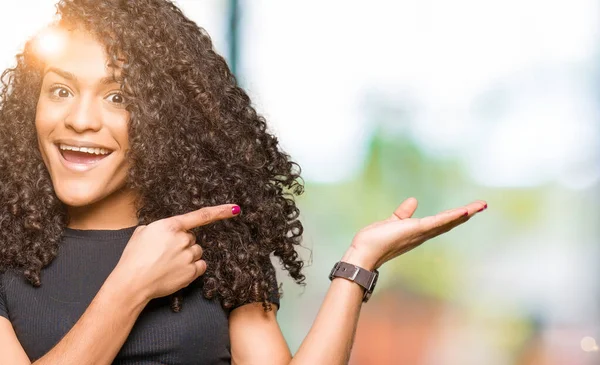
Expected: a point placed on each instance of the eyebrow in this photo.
(71, 77)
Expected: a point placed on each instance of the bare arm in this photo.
(95, 339)
(158, 260)
(12, 352)
(255, 336)
(257, 339)
(331, 336)
(101, 331)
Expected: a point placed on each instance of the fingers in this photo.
(471, 208)
(197, 252)
(205, 216)
(409, 206)
(442, 219)
(476, 207)
(458, 215)
(191, 239)
(406, 209)
(200, 266)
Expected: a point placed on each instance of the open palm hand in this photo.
(384, 240)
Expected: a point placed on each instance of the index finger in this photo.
(206, 216)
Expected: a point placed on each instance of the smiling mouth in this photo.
(83, 155)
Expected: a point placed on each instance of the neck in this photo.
(116, 211)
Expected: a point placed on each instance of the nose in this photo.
(84, 115)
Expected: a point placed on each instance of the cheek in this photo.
(39, 117)
(45, 118)
(41, 127)
(119, 128)
(123, 138)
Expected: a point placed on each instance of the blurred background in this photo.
(447, 102)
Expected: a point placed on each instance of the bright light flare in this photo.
(588, 344)
(49, 42)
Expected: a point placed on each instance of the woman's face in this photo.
(81, 122)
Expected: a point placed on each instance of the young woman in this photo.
(126, 156)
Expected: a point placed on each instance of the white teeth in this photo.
(90, 150)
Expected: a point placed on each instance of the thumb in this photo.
(405, 210)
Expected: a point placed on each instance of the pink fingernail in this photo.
(236, 210)
(466, 214)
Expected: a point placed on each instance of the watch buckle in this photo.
(335, 267)
(356, 270)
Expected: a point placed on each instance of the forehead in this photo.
(76, 52)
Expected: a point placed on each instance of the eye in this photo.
(116, 98)
(60, 92)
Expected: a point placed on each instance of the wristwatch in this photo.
(365, 278)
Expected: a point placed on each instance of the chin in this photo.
(81, 194)
(78, 195)
(77, 201)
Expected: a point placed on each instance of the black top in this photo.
(199, 334)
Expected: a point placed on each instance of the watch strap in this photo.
(363, 277)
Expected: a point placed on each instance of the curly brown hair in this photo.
(195, 141)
